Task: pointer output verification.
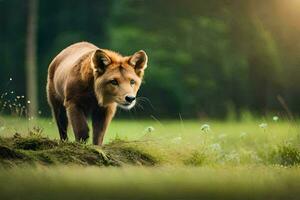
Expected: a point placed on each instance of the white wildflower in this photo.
(263, 125)
(10, 79)
(216, 147)
(149, 129)
(275, 118)
(205, 128)
(28, 102)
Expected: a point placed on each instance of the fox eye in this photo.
(114, 82)
(132, 82)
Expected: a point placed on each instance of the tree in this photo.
(31, 71)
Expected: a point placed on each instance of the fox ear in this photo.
(139, 60)
(100, 61)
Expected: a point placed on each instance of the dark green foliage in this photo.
(123, 153)
(34, 143)
(196, 159)
(205, 58)
(35, 149)
(8, 153)
(286, 155)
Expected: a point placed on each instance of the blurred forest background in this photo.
(214, 58)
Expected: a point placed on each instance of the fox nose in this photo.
(129, 99)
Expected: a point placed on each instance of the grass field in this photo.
(253, 159)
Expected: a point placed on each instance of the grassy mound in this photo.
(36, 149)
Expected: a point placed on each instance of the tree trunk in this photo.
(31, 71)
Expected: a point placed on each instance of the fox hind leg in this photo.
(60, 116)
(62, 122)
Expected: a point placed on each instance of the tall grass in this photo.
(187, 143)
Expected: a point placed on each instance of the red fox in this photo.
(84, 79)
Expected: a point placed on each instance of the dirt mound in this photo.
(36, 149)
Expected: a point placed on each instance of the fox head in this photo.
(117, 78)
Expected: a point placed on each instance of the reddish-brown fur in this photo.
(84, 79)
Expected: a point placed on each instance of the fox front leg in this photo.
(101, 118)
(78, 122)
